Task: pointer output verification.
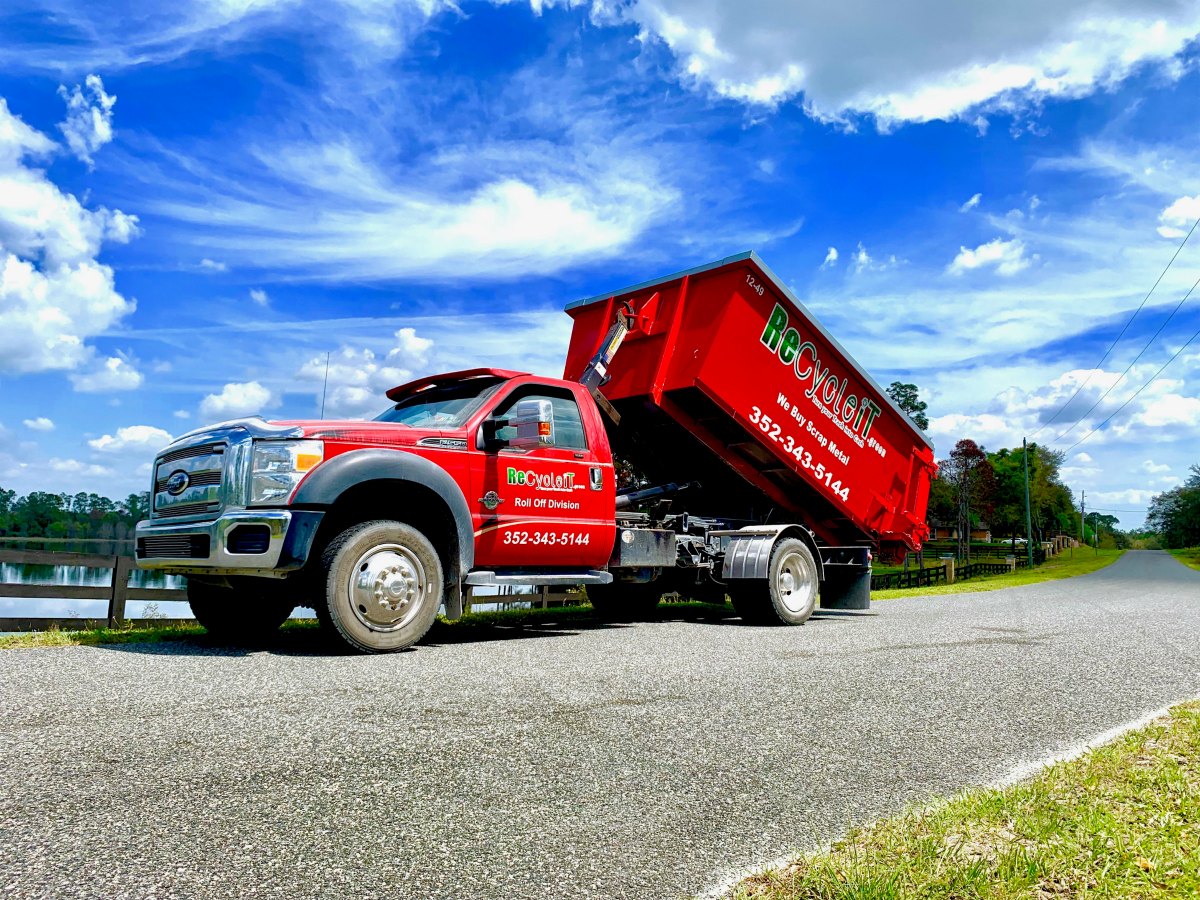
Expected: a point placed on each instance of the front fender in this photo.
(328, 481)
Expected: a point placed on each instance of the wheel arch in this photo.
(393, 484)
(749, 551)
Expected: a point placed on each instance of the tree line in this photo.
(1175, 514)
(40, 514)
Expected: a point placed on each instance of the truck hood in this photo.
(359, 432)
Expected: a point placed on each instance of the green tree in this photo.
(973, 484)
(1175, 514)
(907, 398)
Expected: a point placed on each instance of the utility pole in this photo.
(1082, 513)
(1028, 521)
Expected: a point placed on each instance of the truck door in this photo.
(544, 507)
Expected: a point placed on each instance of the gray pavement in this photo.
(642, 761)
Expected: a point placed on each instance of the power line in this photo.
(1166, 322)
(1112, 346)
(1195, 335)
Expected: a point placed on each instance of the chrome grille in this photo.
(199, 479)
(204, 466)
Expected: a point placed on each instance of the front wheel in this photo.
(250, 611)
(383, 586)
(789, 594)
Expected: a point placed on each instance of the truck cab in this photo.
(497, 476)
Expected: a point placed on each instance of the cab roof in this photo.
(431, 381)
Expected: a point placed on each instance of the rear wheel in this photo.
(789, 594)
(383, 586)
(625, 601)
(251, 609)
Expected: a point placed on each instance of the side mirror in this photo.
(534, 421)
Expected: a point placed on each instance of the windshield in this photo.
(444, 406)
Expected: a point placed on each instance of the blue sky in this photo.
(198, 201)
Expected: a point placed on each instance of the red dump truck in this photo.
(709, 438)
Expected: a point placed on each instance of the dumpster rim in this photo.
(753, 257)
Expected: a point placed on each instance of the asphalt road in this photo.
(642, 761)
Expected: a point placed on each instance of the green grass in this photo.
(300, 629)
(1067, 565)
(1122, 821)
(1189, 556)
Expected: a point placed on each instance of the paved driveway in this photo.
(642, 761)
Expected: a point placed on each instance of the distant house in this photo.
(942, 531)
(981, 532)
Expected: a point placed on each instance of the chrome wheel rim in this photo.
(387, 586)
(795, 581)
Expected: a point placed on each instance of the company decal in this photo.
(853, 414)
(543, 483)
(562, 482)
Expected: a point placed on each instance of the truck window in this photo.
(443, 406)
(568, 426)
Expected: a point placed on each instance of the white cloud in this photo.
(259, 297)
(831, 258)
(88, 125)
(133, 438)
(41, 423)
(1008, 258)
(951, 59)
(971, 203)
(1178, 218)
(359, 379)
(862, 259)
(113, 374)
(333, 210)
(1082, 458)
(244, 399)
(54, 294)
(212, 265)
(1154, 468)
(182, 414)
(77, 468)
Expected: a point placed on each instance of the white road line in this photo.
(1022, 772)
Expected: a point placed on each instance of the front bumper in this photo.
(241, 542)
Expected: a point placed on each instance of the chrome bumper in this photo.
(290, 535)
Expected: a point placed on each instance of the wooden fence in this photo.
(118, 592)
(974, 570)
(926, 577)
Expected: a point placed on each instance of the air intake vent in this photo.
(173, 546)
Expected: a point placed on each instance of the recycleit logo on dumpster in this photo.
(822, 387)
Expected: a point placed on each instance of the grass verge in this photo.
(1189, 556)
(1082, 561)
(443, 629)
(1121, 821)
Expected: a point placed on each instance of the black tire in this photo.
(253, 609)
(625, 601)
(789, 594)
(383, 586)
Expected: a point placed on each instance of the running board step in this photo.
(475, 579)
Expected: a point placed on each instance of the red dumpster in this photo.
(726, 379)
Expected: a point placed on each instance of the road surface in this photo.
(641, 761)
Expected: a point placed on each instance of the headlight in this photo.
(278, 466)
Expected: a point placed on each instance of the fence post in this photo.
(1012, 563)
(122, 566)
(948, 564)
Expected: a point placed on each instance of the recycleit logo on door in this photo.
(563, 482)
